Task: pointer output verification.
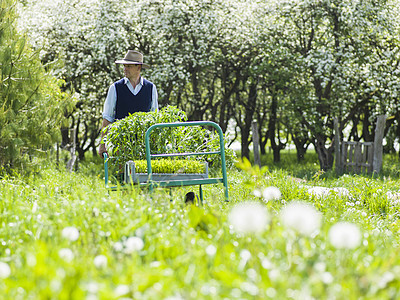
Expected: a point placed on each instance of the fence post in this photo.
(378, 143)
(72, 150)
(338, 160)
(256, 144)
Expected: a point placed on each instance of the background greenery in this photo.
(290, 65)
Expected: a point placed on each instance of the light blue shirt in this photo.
(111, 100)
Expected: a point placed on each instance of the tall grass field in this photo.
(288, 232)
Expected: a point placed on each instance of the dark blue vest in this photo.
(128, 103)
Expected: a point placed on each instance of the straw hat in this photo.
(133, 57)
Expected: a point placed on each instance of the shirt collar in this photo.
(126, 80)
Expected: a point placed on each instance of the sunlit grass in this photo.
(64, 236)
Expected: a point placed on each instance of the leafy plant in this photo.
(126, 138)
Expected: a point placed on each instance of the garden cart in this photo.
(151, 180)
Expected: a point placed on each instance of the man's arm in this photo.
(108, 116)
(154, 99)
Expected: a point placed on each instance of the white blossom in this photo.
(345, 235)
(250, 217)
(5, 270)
(301, 217)
(70, 233)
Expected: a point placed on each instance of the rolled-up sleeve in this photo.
(154, 99)
(109, 104)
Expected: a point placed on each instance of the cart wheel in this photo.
(189, 198)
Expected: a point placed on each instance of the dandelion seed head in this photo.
(250, 217)
(257, 193)
(70, 233)
(344, 235)
(301, 217)
(100, 261)
(386, 278)
(92, 287)
(133, 244)
(319, 191)
(326, 278)
(245, 254)
(211, 250)
(266, 263)
(271, 193)
(5, 270)
(118, 246)
(66, 254)
(341, 191)
(121, 290)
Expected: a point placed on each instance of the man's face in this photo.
(132, 70)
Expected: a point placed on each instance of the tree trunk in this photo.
(325, 155)
(276, 148)
(301, 148)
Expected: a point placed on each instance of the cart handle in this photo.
(187, 124)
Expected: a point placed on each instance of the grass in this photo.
(133, 245)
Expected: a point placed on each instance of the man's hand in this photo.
(102, 149)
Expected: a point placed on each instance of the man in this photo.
(130, 94)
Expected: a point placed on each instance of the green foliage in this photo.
(32, 106)
(126, 137)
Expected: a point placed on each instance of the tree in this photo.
(87, 36)
(333, 41)
(31, 103)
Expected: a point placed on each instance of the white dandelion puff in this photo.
(250, 217)
(100, 261)
(133, 244)
(211, 250)
(344, 235)
(301, 217)
(5, 270)
(118, 246)
(386, 278)
(70, 233)
(66, 254)
(341, 191)
(319, 191)
(271, 193)
(121, 290)
(257, 193)
(245, 255)
(326, 278)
